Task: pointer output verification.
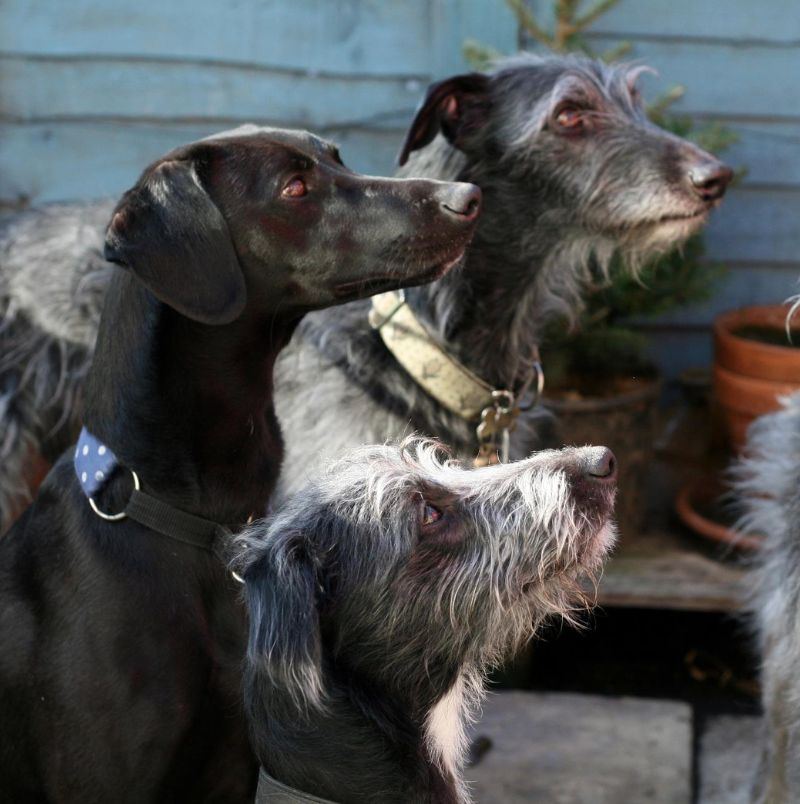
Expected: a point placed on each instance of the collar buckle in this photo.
(122, 514)
(451, 383)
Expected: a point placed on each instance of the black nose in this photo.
(462, 200)
(710, 179)
(600, 465)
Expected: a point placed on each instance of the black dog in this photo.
(121, 647)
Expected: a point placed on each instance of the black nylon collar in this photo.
(95, 464)
(174, 523)
(271, 791)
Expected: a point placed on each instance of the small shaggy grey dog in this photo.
(571, 170)
(380, 594)
(767, 481)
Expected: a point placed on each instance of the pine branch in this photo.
(527, 20)
(479, 57)
(565, 26)
(660, 105)
(617, 52)
(590, 16)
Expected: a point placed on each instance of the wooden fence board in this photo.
(756, 225)
(773, 21)
(95, 158)
(36, 90)
(339, 36)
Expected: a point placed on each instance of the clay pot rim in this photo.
(724, 323)
(750, 395)
(709, 487)
(651, 387)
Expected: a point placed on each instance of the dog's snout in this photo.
(710, 178)
(461, 200)
(600, 465)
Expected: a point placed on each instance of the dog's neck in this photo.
(186, 405)
(365, 745)
(491, 312)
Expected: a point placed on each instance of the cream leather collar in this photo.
(447, 380)
(450, 383)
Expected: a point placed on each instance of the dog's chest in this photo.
(444, 727)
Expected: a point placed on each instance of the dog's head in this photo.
(405, 568)
(568, 132)
(272, 218)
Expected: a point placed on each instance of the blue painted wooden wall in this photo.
(739, 61)
(92, 90)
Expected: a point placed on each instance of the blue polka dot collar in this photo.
(94, 463)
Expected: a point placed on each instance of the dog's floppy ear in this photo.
(455, 106)
(171, 235)
(285, 644)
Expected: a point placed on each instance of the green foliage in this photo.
(479, 56)
(602, 343)
(571, 18)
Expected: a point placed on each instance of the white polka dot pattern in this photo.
(94, 463)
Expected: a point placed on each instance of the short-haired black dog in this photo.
(121, 647)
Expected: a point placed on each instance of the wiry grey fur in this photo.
(767, 482)
(53, 280)
(371, 632)
(555, 210)
(554, 213)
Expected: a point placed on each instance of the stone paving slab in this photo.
(729, 750)
(558, 748)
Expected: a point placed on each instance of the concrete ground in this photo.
(559, 748)
(583, 749)
(728, 756)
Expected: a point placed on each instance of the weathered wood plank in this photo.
(660, 570)
(756, 225)
(345, 36)
(580, 749)
(742, 284)
(455, 21)
(770, 152)
(776, 21)
(722, 79)
(36, 90)
(91, 159)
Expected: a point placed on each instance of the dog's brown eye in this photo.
(296, 188)
(430, 514)
(570, 117)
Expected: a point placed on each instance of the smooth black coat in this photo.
(121, 648)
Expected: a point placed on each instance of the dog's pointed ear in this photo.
(284, 643)
(456, 106)
(171, 235)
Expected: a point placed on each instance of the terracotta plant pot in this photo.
(698, 506)
(752, 369)
(626, 423)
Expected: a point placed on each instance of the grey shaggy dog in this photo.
(53, 279)
(571, 170)
(767, 482)
(381, 593)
